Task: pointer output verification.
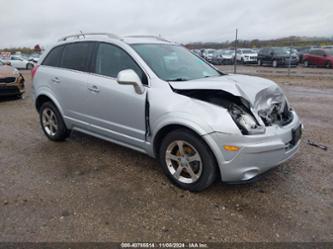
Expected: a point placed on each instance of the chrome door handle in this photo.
(56, 80)
(94, 89)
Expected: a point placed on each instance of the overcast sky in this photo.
(26, 23)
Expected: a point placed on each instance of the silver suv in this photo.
(158, 98)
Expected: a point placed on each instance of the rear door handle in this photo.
(94, 89)
(56, 80)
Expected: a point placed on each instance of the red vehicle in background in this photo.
(319, 57)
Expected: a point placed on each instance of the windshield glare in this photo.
(174, 63)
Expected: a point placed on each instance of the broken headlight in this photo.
(272, 106)
(245, 121)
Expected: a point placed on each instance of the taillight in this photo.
(34, 71)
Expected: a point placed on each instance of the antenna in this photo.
(82, 34)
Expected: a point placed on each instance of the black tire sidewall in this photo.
(209, 171)
(62, 132)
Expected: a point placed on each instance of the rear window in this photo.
(53, 58)
(76, 56)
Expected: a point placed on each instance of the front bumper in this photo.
(14, 88)
(257, 154)
(11, 89)
(250, 59)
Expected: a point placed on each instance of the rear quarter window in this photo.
(54, 56)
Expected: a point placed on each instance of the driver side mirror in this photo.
(130, 77)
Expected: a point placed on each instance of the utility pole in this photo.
(289, 63)
(235, 58)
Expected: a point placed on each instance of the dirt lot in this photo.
(86, 189)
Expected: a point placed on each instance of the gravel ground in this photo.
(86, 189)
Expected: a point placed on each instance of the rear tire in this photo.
(192, 167)
(52, 122)
(328, 64)
(29, 66)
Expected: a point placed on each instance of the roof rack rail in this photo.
(77, 36)
(148, 36)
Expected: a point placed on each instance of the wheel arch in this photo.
(166, 129)
(43, 98)
(162, 133)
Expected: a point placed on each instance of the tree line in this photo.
(292, 41)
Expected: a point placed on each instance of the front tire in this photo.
(52, 123)
(187, 160)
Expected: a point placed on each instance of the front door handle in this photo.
(94, 89)
(56, 80)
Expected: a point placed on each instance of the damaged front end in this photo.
(270, 107)
(239, 108)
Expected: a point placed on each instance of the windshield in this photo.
(248, 51)
(210, 51)
(229, 52)
(281, 51)
(174, 63)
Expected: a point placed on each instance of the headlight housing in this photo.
(245, 121)
(272, 106)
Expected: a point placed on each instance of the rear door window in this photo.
(54, 57)
(77, 56)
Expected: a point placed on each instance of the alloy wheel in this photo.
(49, 121)
(183, 162)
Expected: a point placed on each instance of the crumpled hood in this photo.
(239, 85)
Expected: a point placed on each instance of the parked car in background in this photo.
(4, 63)
(208, 54)
(319, 57)
(246, 56)
(301, 52)
(294, 53)
(19, 62)
(34, 58)
(276, 57)
(158, 98)
(11, 81)
(223, 57)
